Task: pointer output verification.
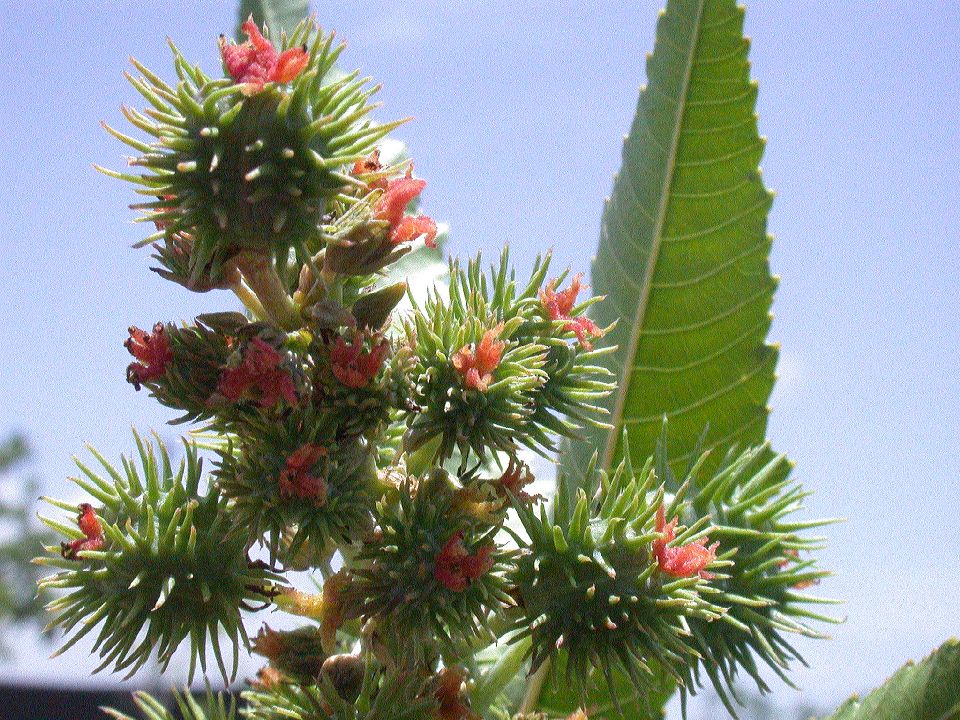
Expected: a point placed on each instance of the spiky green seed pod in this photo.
(593, 593)
(752, 502)
(214, 707)
(166, 564)
(473, 329)
(383, 696)
(569, 399)
(431, 570)
(363, 407)
(542, 388)
(228, 171)
(294, 480)
(470, 418)
(198, 355)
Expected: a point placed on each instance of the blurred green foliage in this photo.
(20, 537)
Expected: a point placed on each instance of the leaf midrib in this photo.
(616, 419)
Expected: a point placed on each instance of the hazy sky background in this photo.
(520, 107)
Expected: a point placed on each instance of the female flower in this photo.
(560, 304)
(153, 354)
(684, 560)
(256, 62)
(477, 365)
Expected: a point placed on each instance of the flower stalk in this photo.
(259, 274)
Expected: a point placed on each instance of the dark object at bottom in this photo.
(22, 702)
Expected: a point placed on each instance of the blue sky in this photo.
(519, 110)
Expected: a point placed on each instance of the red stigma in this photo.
(683, 561)
(450, 698)
(455, 568)
(90, 526)
(560, 304)
(392, 205)
(371, 165)
(352, 365)
(256, 62)
(516, 477)
(259, 376)
(296, 479)
(477, 365)
(152, 351)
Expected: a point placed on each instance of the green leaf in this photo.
(278, 15)
(683, 250)
(559, 699)
(928, 691)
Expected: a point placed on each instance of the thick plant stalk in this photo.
(259, 273)
(243, 292)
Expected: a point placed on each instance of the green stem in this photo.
(245, 294)
(332, 283)
(531, 698)
(259, 273)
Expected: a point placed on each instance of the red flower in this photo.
(90, 526)
(256, 62)
(368, 166)
(352, 365)
(684, 561)
(516, 477)
(393, 203)
(455, 568)
(413, 226)
(152, 350)
(477, 366)
(261, 372)
(297, 480)
(559, 305)
(449, 696)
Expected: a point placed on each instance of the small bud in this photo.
(346, 674)
(297, 653)
(372, 309)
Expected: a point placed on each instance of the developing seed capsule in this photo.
(250, 163)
